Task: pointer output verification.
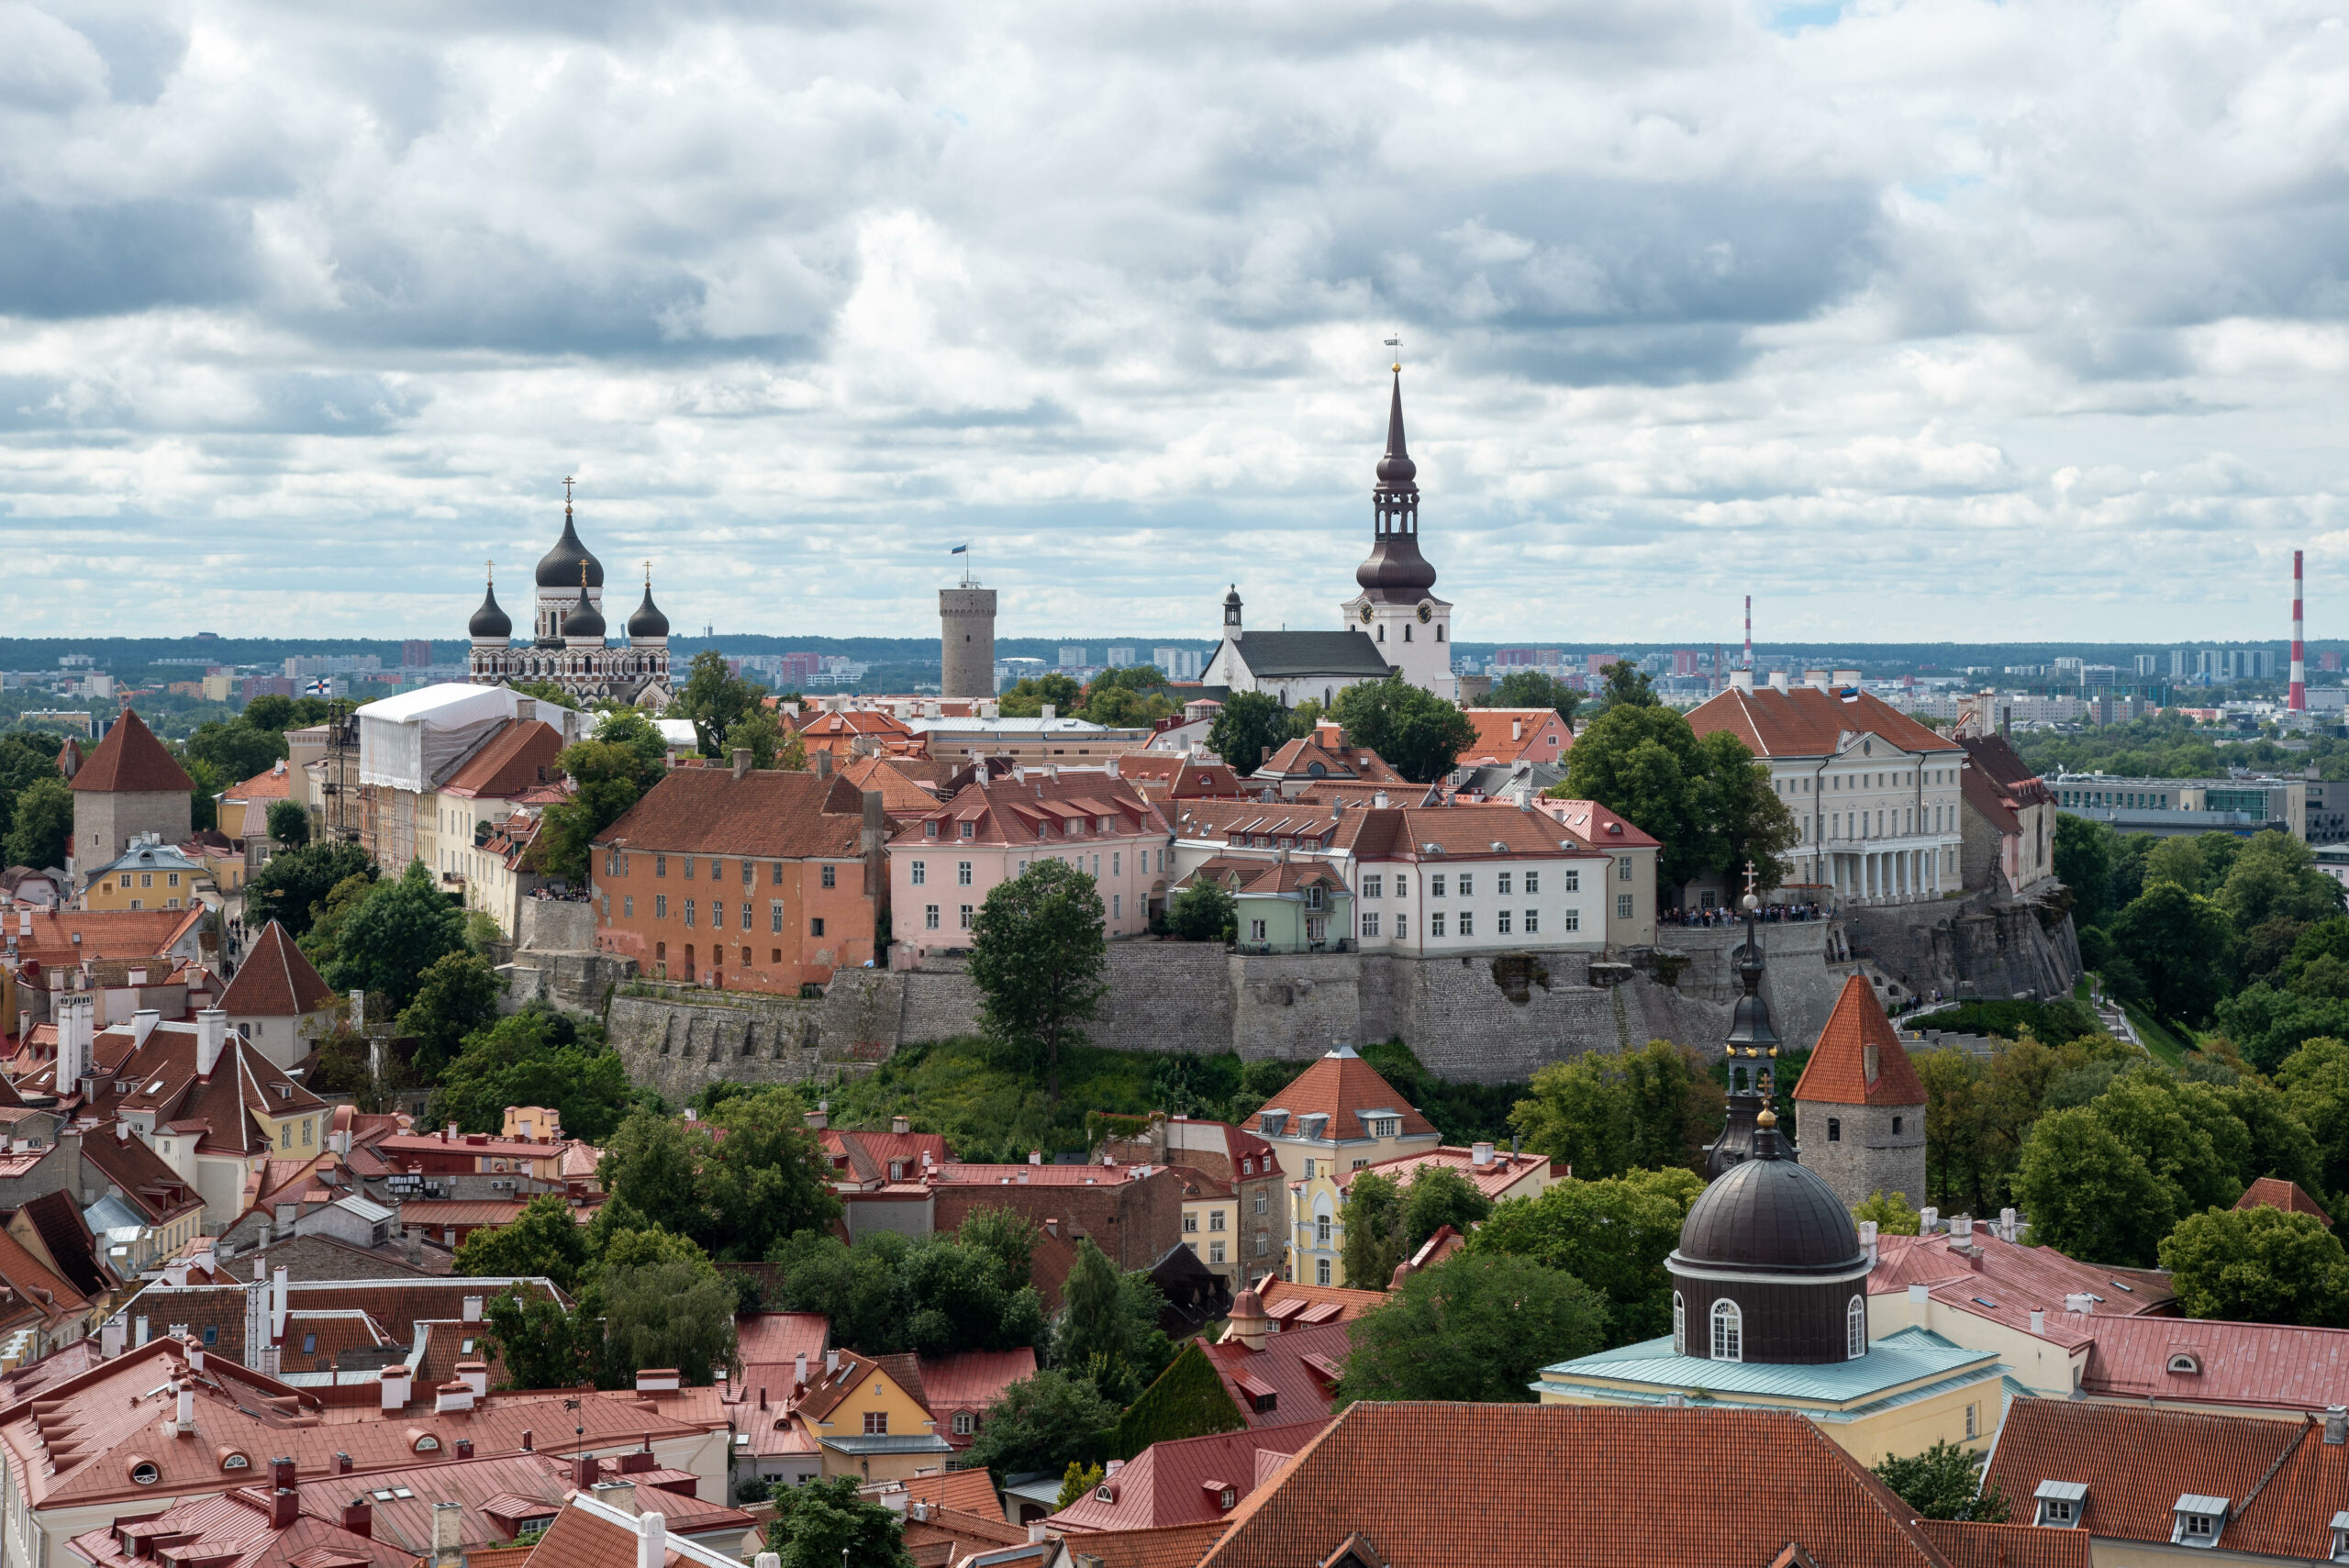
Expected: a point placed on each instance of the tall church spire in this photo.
(1752, 1048)
(1396, 573)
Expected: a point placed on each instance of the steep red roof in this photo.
(1598, 825)
(276, 980)
(1506, 734)
(972, 1380)
(1340, 1086)
(2007, 1546)
(272, 785)
(1447, 1483)
(1035, 810)
(1298, 1369)
(1989, 800)
(1807, 722)
(2006, 1281)
(2275, 1192)
(234, 1531)
(1837, 1073)
(1167, 1483)
(513, 760)
(131, 761)
(767, 814)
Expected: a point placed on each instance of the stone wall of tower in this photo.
(104, 821)
(1860, 1154)
(966, 642)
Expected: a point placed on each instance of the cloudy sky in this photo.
(1914, 320)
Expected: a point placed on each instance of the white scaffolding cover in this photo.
(413, 740)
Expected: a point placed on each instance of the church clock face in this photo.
(1365, 615)
(1427, 613)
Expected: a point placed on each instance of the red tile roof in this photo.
(1505, 1173)
(131, 761)
(272, 785)
(1838, 1073)
(1807, 722)
(2013, 1280)
(233, 1530)
(1037, 809)
(1177, 1546)
(2282, 1482)
(966, 1490)
(105, 933)
(767, 814)
(276, 980)
(1300, 758)
(1287, 1302)
(2277, 1365)
(1292, 1367)
(2275, 1192)
(972, 1380)
(516, 758)
(1540, 735)
(2008, 1545)
(1598, 825)
(1989, 800)
(1459, 1483)
(1340, 1086)
(1167, 1483)
(867, 1156)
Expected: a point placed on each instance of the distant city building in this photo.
(1072, 658)
(303, 666)
(2171, 808)
(1118, 658)
(2329, 661)
(1176, 663)
(1595, 664)
(2149, 663)
(415, 650)
(1686, 661)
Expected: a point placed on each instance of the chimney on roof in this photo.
(817, 1119)
(281, 1473)
(585, 1468)
(2038, 1320)
(359, 1517)
(1961, 1230)
(1051, 710)
(211, 1034)
(1742, 680)
(142, 1024)
(2080, 1302)
(832, 1362)
(799, 1371)
(475, 1374)
(1928, 1219)
(448, 1534)
(285, 1507)
(1480, 1155)
(472, 1309)
(341, 1462)
(1919, 1306)
(195, 1350)
(2336, 1424)
(1868, 1240)
(901, 1125)
(822, 764)
(656, 1380)
(1777, 680)
(2006, 1226)
(395, 1381)
(110, 1338)
(183, 1415)
(741, 762)
(652, 1540)
(138, 1331)
(1035, 1156)
(620, 1494)
(453, 1396)
(277, 1306)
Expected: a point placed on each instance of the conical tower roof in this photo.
(1858, 1060)
(130, 761)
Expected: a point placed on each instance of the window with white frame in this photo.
(1370, 925)
(1573, 879)
(1624, 868)
(1503, 878)
(1435, 925)
(2059, 1504)
(921, 873)
(1533, 922)
(1622, 905)
(1728, 1331)
(1573, 919)
(961, 873)
(1321, 1271)
(1501, 924)
(964, 1423)
(1255, 930)
(1215, 1251)
(1679, 1325)
(930, 916)
(1435, 887)
(1532, 882)
(1467, 923)
(1371, 886)
(1320, 1231)
(1467, 885)
(966, 916)
(1402, 926)
(1855, 1341)
(1402, 886)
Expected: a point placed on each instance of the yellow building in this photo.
(1338, 1115)
(150, 875)
(1210, 1219)
(1318, 1247)
(864, 1422)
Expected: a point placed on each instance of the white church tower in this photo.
(1397, 608)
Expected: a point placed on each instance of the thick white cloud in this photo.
(1936, 320)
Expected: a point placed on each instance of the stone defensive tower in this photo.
(1861, 1104)
(966, 641)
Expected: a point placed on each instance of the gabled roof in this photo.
(2273, 1192)
(1506, 734)
(1968, 1545)
(1989, 800)
(233, 1530)
(1299, 1367)
(1341, 1087)
(1996, 756)
(276, 980)
(1034, 810)
(57, 1220)
(1503, 1174)
(1271, 655)
(2278, 1365)
(1807, 722)
(1167, 1483)
(972, 1379)
(1292, 1304)
(86, 934)
(1406, 1478)
(767, 814)
(1597, 825)
(274, 784)
(2006, 1281)
(1837, 1073)
(130, 761)
(518, 757)
(1327, 754)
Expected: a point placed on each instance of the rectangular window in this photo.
(930, 916)
(1532, 922)
(1321, 1266)
(1503, 888)
(970, 829)
(774, 918)
(1260, 1203)
(964, 1423)
(876, 1423)
(1402, 886)
(1435, 925)
(716, 869)
(717, 916)
(1371, 886)
(1215, 1219)
(1320, 1230)
(1117, 906)
(816, 927)
(1622, 905)
(828, 878)
(1573, 919)
(689, 868)
(921, 873)
(1370, 925)
(1624, 868)
(1116, 863)
(1402, 926)
(285, 1135)
(1190, 1224)
(1467, 923)
(660, 906)
(1435, 887)
(774, 874)
(628, 908)
(1573, 880)
(660, 865)
(1533, 882)
(961, 873)
(172, 880)
(966, 916)
(1500, 924)
(1255, 930)
(929, 830)
(1468, 888)
(1215, 1251)
(748, 874)
(689, 914)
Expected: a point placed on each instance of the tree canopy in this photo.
(2258, 1265)
(1037, 954)
(608, 773)
(715, 699)
(1613, 1235)
(931, 1296)
(539, 1056)
(735, 1182)
(1605, 1114)
(1705, 800)
(1531, 688)
(1108, 1328)
(1044, 1423)
(293, 886)
(1476, 1326)
(398, 932)
(41, 825)
(1944, 1482)
(1248, 728)
(1419, 734)
(454, 998)
(824, 1523)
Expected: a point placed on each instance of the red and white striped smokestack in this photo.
(1749, 631)
(2298, 699)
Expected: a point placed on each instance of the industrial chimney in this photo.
(2298, 700)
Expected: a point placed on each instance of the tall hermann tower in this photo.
(966, 640)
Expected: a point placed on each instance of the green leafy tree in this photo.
(2189, 1140)
(543, 1241)
(1706, 801)
(2085, 852)
(2258, 1265)
(2275, 876)
(1892, 1214)
(1044, 1423)
(1027, 697)
(1109, 1329)
(608, 773)
(1439, 1196)
(537, 1057)
(292, 887)
(289, 824)
(2279, 1144)
(1133, 696)
(1475, 1326)
(825, 1524)
(1419, 734)
(401, 930)
(1626, 685)
(323, 942)
(540, 1343)
(1187, 1400)
(1603, 1114)
(933, 1297)
(42, 825)
(764, 1175)
(547, 692)
(2266, 1025)
(27, 757)
(761, 734)
(454, 998)
(204, 788)
(2315, 1082)
(1944, 1482)
(1077, 1483)
(1203, 912)
(2088, 1194)
(2182, 944)
(1373, 1214)
(240, 749)
(279, 715)
(652, 1163)
(664, 1305)
(1037, 956)
(1613, 1235)
(715, 699)
(1531, 688)
(1249, 726)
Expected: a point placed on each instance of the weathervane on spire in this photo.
(1395, 343)
(648, 577)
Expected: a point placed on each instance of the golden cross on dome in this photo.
(567, 483)
(490, 568)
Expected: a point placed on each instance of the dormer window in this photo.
(2199, 1521)
(1274, 1123)
(929, 830)
(2341, 1536)
(1105, 1493)
(2060, 1503)
(2184, 1363)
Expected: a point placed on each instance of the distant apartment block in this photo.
(1178, 663)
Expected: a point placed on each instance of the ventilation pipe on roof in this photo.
(277, 1306)
(2038, 1320)
(1868, 1240)
(472, 1309)
(2336, 1424)
(183, 1417)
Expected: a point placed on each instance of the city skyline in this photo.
(1859, 311)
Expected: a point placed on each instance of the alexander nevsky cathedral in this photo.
(567, 645)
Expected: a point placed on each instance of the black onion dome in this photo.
(489, 620)
(647, 621)
(584, 619)
(1396, 469)
(559, 567)
(1232, 599)
(1771, 1215)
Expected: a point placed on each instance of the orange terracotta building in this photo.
(743, 878)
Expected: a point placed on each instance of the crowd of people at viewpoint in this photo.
(1769, 915)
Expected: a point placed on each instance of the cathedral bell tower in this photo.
(1751, 1049)
(1397, 608)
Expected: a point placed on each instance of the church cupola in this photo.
(562, 573)
(1231, 612)
(1751, 1051)
(584, 624)
(1396, 573)
(490, 623)
(648, 625)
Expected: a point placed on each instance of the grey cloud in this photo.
(126, 256)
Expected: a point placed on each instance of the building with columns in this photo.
(568, 643)
(1876, 795)
(1394, 624)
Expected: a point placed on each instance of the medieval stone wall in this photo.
(1977, 946)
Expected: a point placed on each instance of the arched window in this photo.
(1728, 1331)
(1856, 1329)
(1679, 1326)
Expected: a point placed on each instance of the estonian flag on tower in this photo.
(958, 549)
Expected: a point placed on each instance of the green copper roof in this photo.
(1899, 1367)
